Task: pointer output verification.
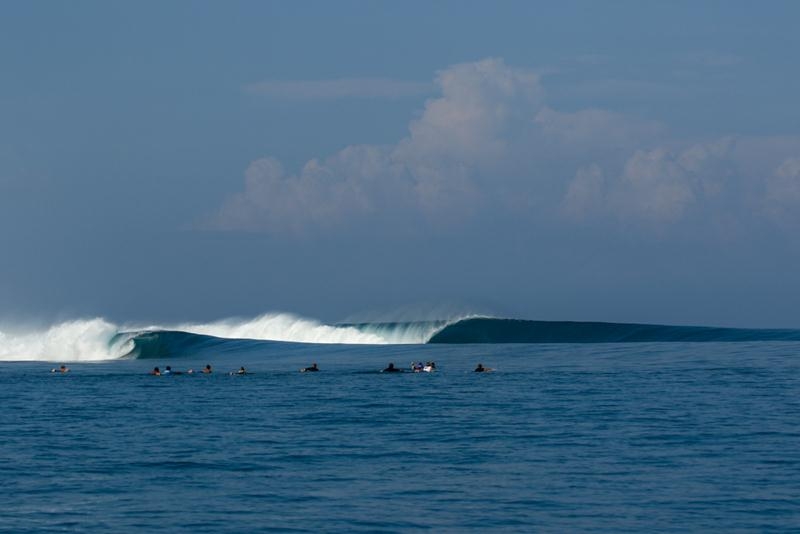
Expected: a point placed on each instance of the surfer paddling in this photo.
(392, 369)
(61, 369)
(311, 369)
(482, 369)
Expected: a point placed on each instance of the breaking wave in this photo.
(87, 340)
(99, 340)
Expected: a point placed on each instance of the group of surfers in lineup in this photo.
(428, 367)
(205, 371)
(416, 367)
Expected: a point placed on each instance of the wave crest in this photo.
(284, 327)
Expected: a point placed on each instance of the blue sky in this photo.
(620, 161)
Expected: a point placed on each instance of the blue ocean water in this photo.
(609, 437)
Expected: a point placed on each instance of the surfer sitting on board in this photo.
(482, 369)
(311, 369)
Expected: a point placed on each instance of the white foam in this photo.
(286, 327)
(291, 328)
(84, 340)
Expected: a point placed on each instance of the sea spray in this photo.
(83, 340)
(284, 327)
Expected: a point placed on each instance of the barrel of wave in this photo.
(83, 340)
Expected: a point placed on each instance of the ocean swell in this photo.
(98, 340)
(488, 330)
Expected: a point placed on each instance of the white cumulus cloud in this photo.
(782, 194)
(432, 171)
(487, 145)
(658, 185)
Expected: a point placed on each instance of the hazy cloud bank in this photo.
(339, 88)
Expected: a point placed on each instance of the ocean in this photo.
(596, 427)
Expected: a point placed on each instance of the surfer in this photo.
(61, 369)
(207, 369)
(417, 367)
(241, 371)
(311, 369)
(482, 369)
(429, 367)
(168, 371)
(156, 371)
(392, 369)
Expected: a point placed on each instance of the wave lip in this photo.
(404, 333)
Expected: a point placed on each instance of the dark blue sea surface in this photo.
(627, 437)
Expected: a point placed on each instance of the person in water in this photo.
(417, 367)
(392, 369)
(61, 369)
(156, 371)
(482, 369)
(311, 369)
(429, 367)
(241, 371)
(207, 369)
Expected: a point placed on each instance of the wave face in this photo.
(487, 330)
(99, 340)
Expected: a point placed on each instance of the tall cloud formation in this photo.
(489, 144)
